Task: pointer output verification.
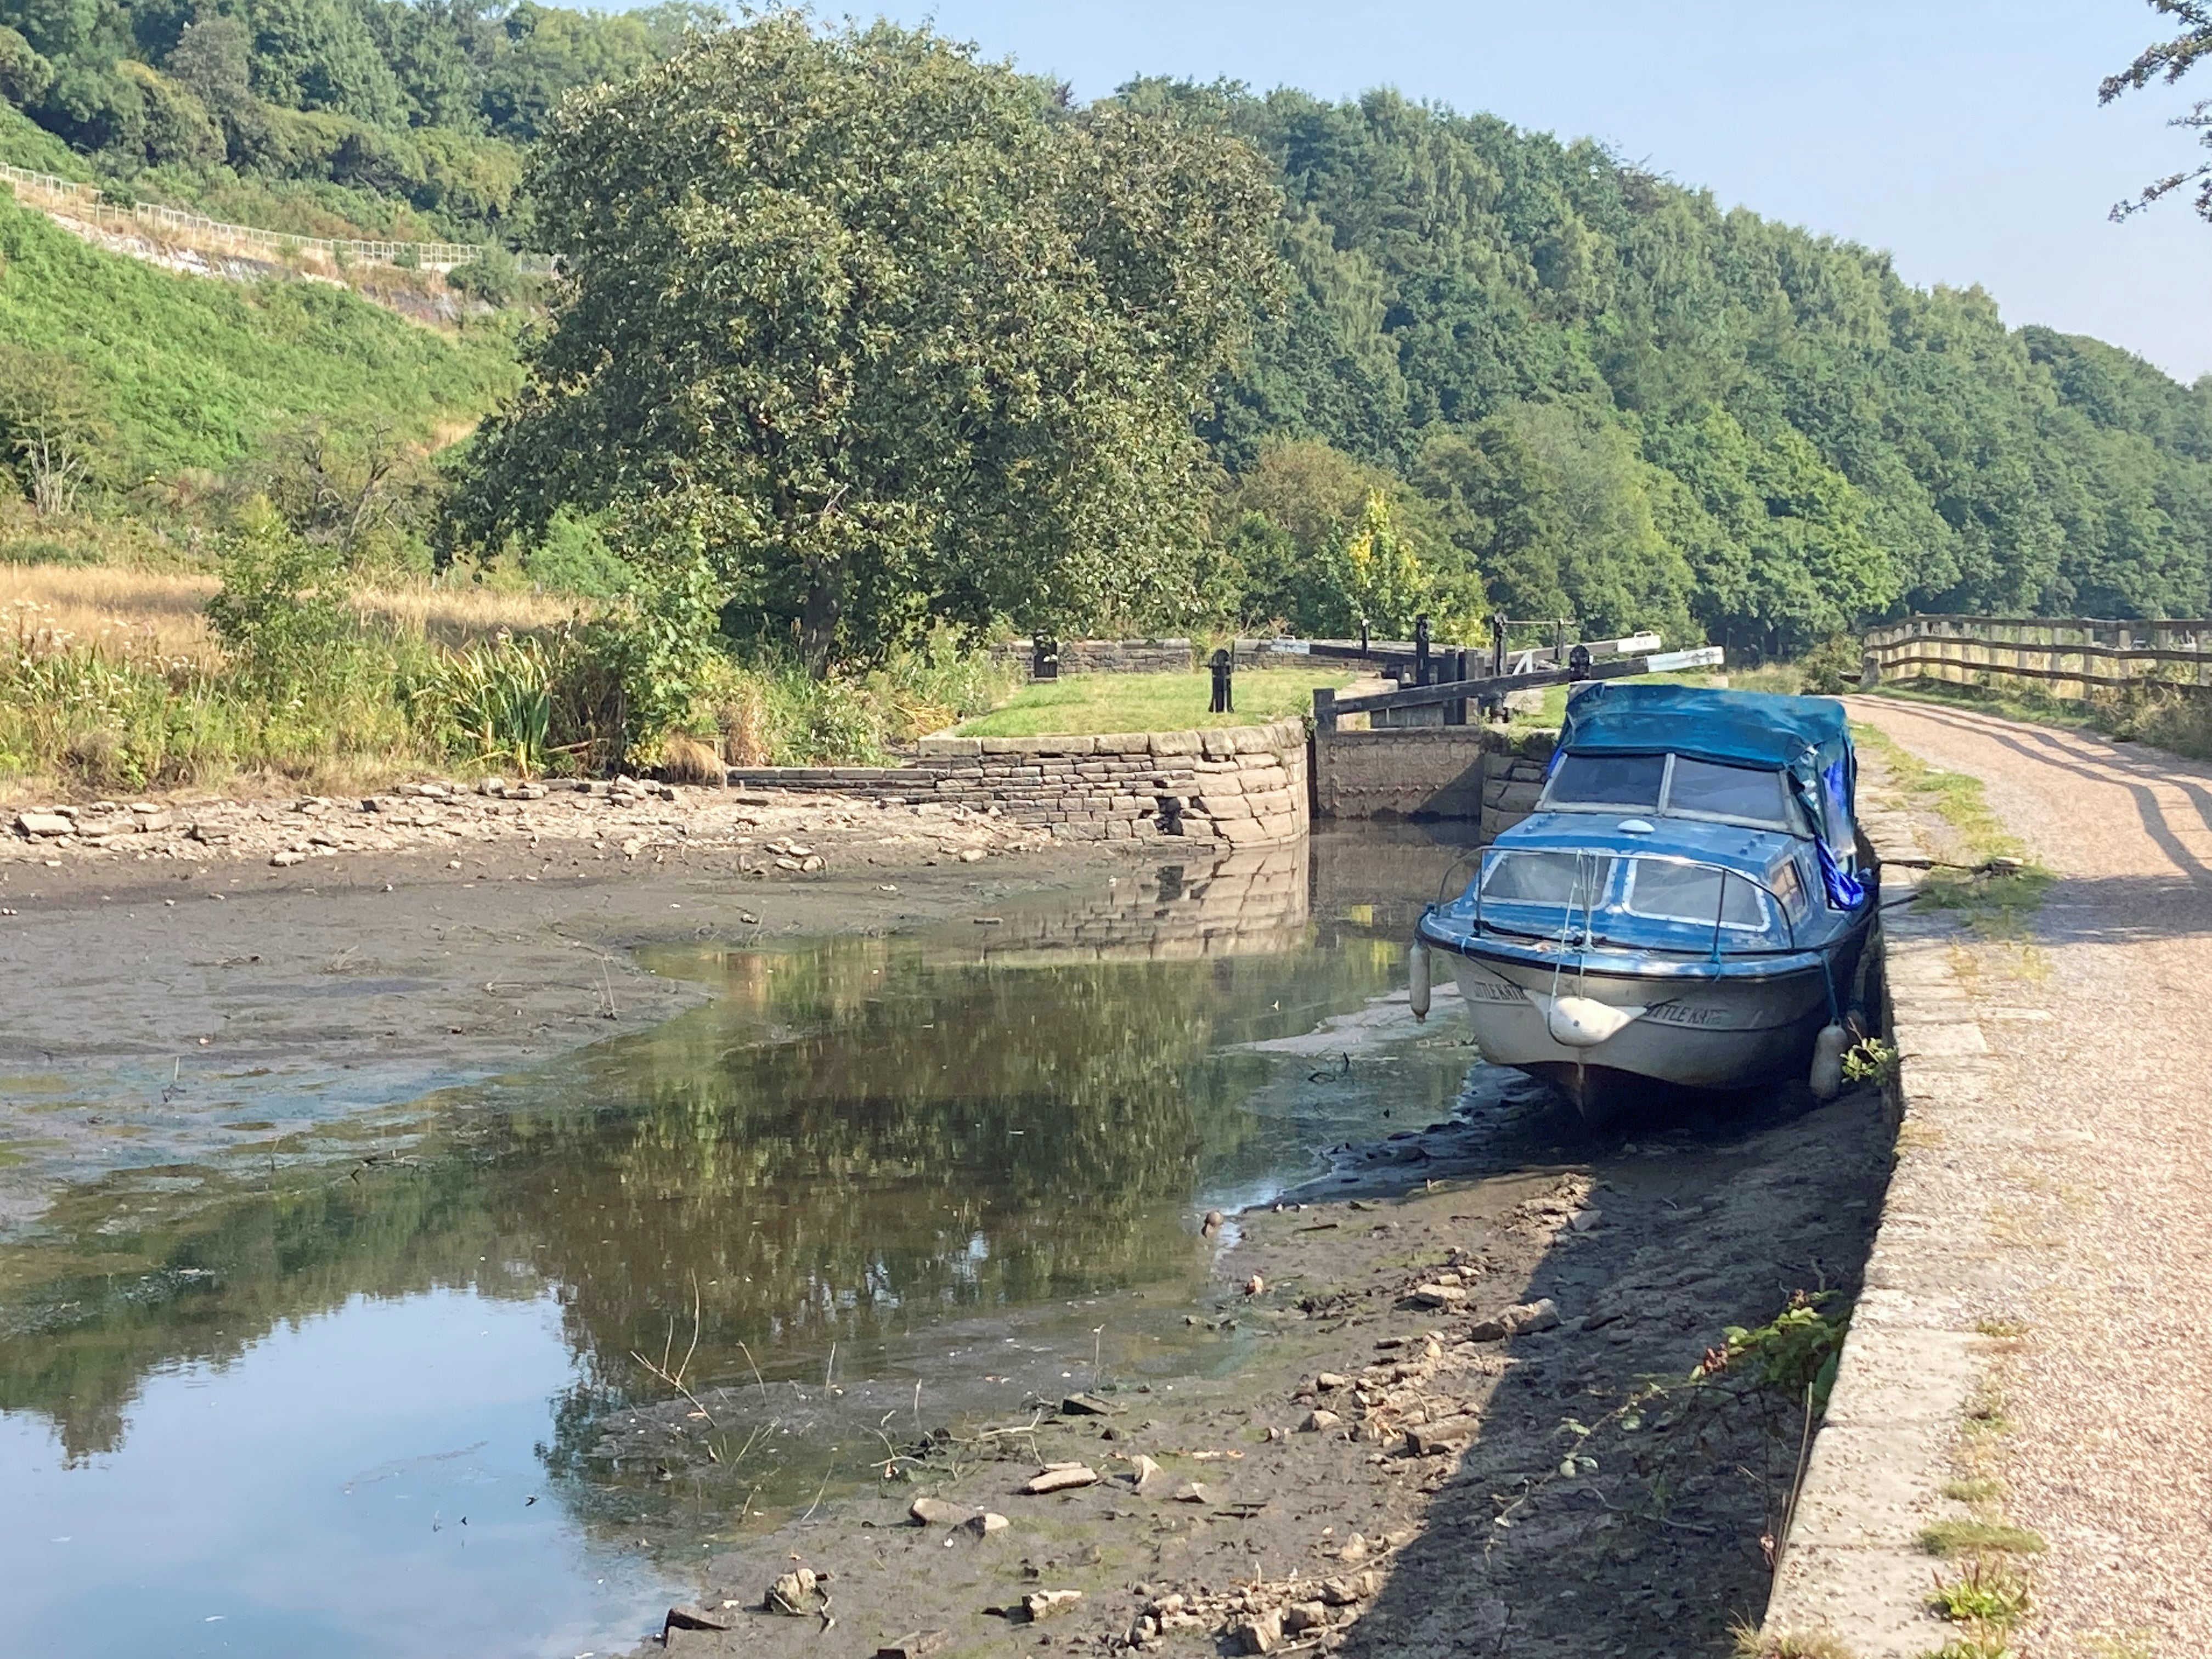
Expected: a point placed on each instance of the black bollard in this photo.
(1224, 700)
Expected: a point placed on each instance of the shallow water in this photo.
(407, 1385)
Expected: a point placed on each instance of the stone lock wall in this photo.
(1511, 782)
(1463, 772)
(1243, 901)
(1244, 785)
(1103, 656)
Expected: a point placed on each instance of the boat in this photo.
(1689, 907)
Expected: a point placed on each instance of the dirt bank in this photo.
(1386, 1472)
(243, 966)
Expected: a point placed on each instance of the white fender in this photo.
(1584, 1022)
(1417, 978)
(1827, 1077)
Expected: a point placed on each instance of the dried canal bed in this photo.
(858, 1145)
(403, 1386)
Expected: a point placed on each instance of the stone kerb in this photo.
(1852, 1565)
(1243, 785)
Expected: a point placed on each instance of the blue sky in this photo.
(1963, 135)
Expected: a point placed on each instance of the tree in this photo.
(52, 423)
(901, 339)
(2168, 61)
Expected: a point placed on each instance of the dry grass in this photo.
(90, 603)
(162, 609)
(1749, 1641)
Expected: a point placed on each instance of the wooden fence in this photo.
(2062, 656)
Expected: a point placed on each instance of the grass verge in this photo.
(1088, 704)
(1999, 905)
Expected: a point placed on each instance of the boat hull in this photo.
(1676, 1031)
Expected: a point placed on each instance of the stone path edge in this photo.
(1852, 1566)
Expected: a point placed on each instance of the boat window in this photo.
(1608, 781)
(1789, 889)
(1580, 879)
(1665, 891)
(1727, 791)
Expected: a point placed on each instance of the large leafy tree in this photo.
(898, 337)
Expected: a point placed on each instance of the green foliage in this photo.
(406, 98)
(908, 342)
(1373, 580)
(24, 75)
(193, 373)
(1796, 1352)
(1870, 1060)
(1628, 406)
(573, 557)
(494, 701)
(52, 427)
(282, 611)
(1989, 1592)
(492, 276)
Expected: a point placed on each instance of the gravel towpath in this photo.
(2099, 1206)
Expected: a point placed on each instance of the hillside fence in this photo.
(2063, 656)
(50, 194)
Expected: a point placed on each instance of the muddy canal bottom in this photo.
(379, 1390)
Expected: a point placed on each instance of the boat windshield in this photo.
(1608, 781)
(1579, 880)
(1663, 891)
(1675, 785)
(1645, 901)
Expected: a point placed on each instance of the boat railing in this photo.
(1590, 907)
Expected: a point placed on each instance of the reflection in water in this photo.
(914, 1165)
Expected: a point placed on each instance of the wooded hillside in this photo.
(1610, 398)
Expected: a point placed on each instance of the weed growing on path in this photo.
(1990, 1592)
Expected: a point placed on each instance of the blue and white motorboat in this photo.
(1689, 906)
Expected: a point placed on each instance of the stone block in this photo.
(1222, 806)
(1172, 742)
(949, 748)
(1065, 746)
(1122, 742)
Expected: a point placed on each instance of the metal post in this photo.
(1223, 666)
(1497, 643)
(1421, 650)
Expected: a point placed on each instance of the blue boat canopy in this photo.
(1808, 737)
(1745, 728)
